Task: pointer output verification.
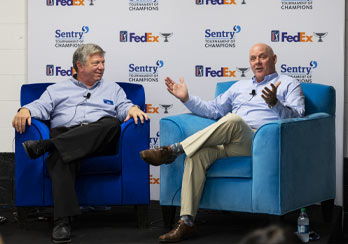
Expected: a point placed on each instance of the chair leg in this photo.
(142, 216)
(22, 216)
(168, 215)
(327, 209)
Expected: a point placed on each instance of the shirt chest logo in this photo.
(109, 102)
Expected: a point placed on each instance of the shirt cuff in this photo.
(277, 107)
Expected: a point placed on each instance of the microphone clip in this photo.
(88, 95)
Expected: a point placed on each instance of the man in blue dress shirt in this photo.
(241, 110)
(85, 113)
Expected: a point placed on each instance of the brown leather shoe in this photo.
(180, 232)
(158, 156)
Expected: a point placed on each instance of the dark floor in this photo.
(119, 225)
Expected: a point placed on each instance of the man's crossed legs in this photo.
(230, 136)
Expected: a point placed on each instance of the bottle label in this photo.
(301, 229)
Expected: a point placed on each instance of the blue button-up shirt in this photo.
(67, 104)
(253, 109)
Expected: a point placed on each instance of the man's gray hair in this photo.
(84, 51)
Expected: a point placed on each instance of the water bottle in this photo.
(303, 225)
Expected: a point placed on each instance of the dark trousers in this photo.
(71, 144)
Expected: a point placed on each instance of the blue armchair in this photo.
(292, 163)
(121, 179)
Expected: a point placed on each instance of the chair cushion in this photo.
(233, 167)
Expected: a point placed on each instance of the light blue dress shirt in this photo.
(253, 109)
(66, 103)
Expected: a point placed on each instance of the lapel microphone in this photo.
(253, 92)
(88, 95)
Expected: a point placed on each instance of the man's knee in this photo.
(234, 118)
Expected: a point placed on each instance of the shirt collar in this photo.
(80, 84)
(266, 79)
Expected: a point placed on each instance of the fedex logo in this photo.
(277, 36)
(299, 69)
(201, 71)
(151, 109)
(66, 2)
(216, 2)
(58, 71)
(154, 180)
(132, 37)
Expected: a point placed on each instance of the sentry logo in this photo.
(216, 2)
(69, 35)
(277, 36)
(58, 71)
(145, 73)
(154, 141)
(209, 34)
(146, 69)
(132, 37)
(201, 71)
(67, 2)
(305, 70)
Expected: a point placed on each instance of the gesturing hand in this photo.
(179, 90)
(270, 96)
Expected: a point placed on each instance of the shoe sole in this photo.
(171, 160)
(175, 241)
(147, 161)
(62, 241)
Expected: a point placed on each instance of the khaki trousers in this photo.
(230, 136)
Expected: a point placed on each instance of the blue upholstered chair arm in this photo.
(288, 156)
(182, 126)
(29, 173)
(135, 172)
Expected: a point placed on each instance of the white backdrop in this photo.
(204, 41)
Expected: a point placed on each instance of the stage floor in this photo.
(118, 224)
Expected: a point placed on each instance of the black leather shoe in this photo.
(34, 149)
(2, 219)
(61, 231)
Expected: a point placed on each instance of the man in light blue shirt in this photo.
(241, 110)
(85, 113)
